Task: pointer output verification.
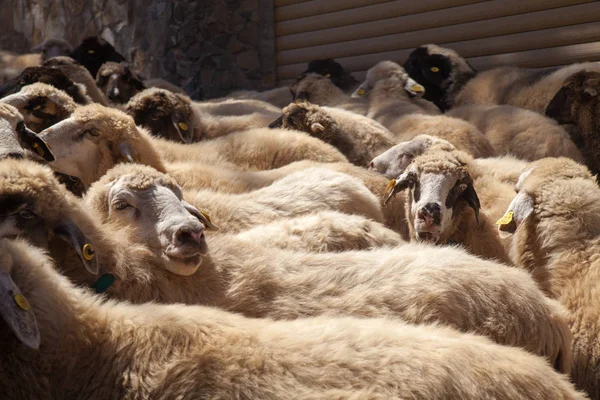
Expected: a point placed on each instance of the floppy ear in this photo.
(414, 88)
(518, 211)
(16, 312)
(33, 142)
(183, 127)
(361, 91)
(202, 216)
(127, 151)
(70, 233)
(403, 182)
(278, 123)
(559, 107)
(470, 196)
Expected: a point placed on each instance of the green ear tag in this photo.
(103, 283)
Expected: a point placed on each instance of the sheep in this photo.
(389, 91)
(42, 105)
(19, 61)
(553, 222)
(119, 82)
(175, 117)
(358, 138)
(442, 205)
(333, 70)
(78, 74)
(450, 81)
(93, 52)
(324, 231)
(15, 137)
(577, 103)
(156, 254)
(519, 132)
(50, 76)
(64, 342)
(279, 97)
(53, 47)
(163, 84)
(320, 90)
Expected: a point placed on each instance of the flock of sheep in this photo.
(430, 233)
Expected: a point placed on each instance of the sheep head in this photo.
(305, 117)
(333, 70)
(394, 161)
(119, 82)
(36, 207)
(150, 205)
(42, 105)
(53, 47)
(441, 71)
(15, 136)
(95, 138)
(93, 52)
(556, 208)
(165, 114)
(315, 88)
(392, 77)
(440, 187)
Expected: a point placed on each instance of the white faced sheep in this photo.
(577, 103)
(359, 138)
(157, 254)
(392, 102)
(64, 342)
(519, 132)
(174, 116)
(42, 105)
(320, 90)
(15, 137)
(118, 82)
(450, 81)
(78, 74)
(555, 222)
(442, 205)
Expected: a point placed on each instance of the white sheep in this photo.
(554, 221)
(87, 347)
(151, 246)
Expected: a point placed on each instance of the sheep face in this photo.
(93, 52)
(118, 82)
(392, 77)
(15, 136)
(438, 183)
(577, 101)
(34, 206)
(150, 205)
(305, 117)
(165, 114)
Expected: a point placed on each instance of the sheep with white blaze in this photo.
(63, 342)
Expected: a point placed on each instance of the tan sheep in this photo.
(555, 222)
(118, 82)
(15, 137)
(522, 133)
(78, 74)
(320, 90)
(152, 245)
(359, 138)
(42, 105)
(279, 97)
(88, 346)
(174, 116)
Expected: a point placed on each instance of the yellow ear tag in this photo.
(507, 219)
(21, 302)
(88, 252)
(360, 92)
(389, 187)
(136, 157)
(38, 149)
(183, 126)
(327, 75)
(206, 216)
(91, 51)
(417, 88)
(435, 69)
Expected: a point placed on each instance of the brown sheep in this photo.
(119, 82)
(78, 74)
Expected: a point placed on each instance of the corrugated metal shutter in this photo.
(359, 33)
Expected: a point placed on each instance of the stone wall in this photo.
(208, 47)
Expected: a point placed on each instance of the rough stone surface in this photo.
(207, 47)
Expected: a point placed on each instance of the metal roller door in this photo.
(359, 33)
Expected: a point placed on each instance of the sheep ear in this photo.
(70, 233)
(16, 312)
(560, 106)
(127, 151)
(183, 127)
(519, 209)
(362, 90)
(403, 182)
(470, 196)
(202, 216)
(278, 123)
(33, 142)
(317, 128)
(414, 88)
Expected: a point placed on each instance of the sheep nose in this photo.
(190, 237)
(430, 213)
(113, 94)
(372, 165)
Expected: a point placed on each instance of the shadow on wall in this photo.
(209, 47)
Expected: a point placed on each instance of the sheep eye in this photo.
(26, 214)
(121, 205)
(91, 132)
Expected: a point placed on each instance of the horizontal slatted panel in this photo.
(279, 3)
(315, 7)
